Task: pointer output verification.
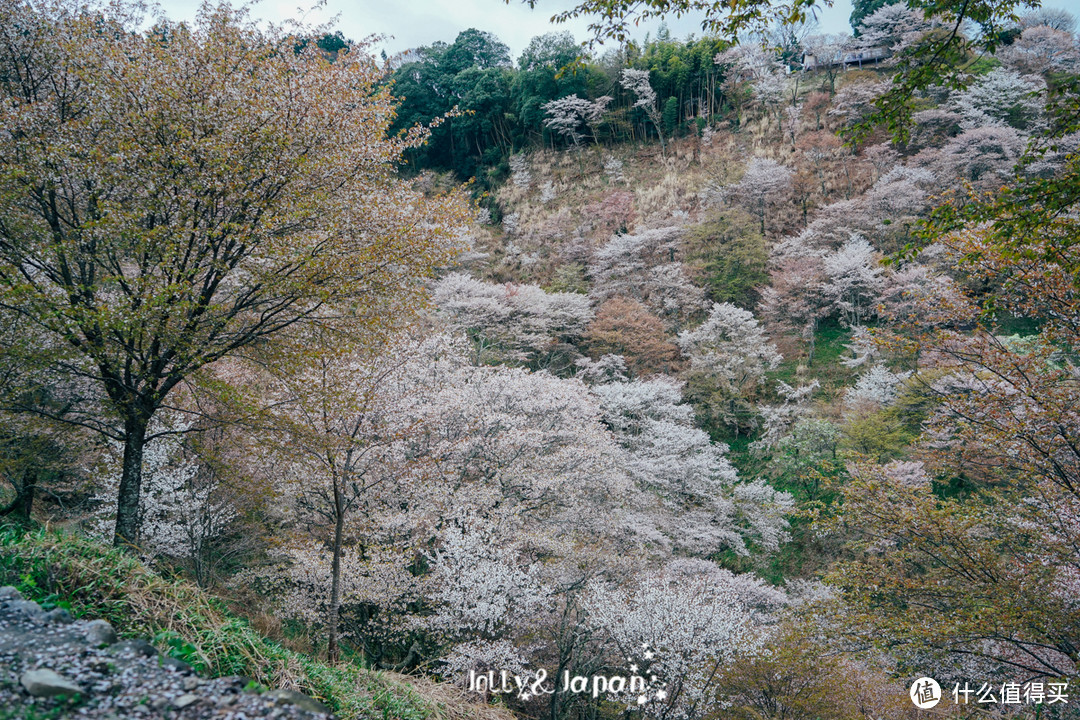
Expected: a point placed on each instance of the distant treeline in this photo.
(501, 105)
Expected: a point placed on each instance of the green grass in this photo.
(1008, 324)
(96, 581)
(830, 339)
(32, 712)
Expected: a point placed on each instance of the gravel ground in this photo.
(54, 667)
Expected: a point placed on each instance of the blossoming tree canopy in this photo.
(172, 196)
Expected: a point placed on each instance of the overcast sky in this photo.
(412, 23)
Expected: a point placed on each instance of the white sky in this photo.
(412, 23)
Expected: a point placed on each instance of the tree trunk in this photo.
(20, 507)
(332, 651)
(127, 503)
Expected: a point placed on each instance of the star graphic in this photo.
(661, 694)
(642, 700)
(633, 668)
(649, 655)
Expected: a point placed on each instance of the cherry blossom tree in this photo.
(763, 188)
(984, 156)
(893, 27)
(854, 279)
(625, 328)
(197, 227)
(777, 420)
(376, 590)
(1053, 18)
(637, 82)
(674, 461)
(613, 169)
(515, 322)
(832, 226)
(1002, 97)
(332, 432)
(615, 213)
(793, 304)
(704, 507)
(877, 385)
(792, 122)
(684, 623)
(900, 192)
(933, 128)
(182, 511)
(547, 505)
(480, 587)
(644, 266)
(854, 102)
(822, 152)
(917, 296)
(566, 116)
(520, 174)
(889, 212)
(1042, 49)
(729, 356)
(758, 69)
(445, 458)
(731, 345)
(608, 368)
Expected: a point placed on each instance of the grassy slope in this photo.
(184, 621)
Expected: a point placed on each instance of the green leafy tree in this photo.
(730, 257)
(475, 48)
(545, 74)
(671, 115)
(464, 90)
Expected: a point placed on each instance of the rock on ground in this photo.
(52, 666)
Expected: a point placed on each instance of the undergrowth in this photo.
(184, 621)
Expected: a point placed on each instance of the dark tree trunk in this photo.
(20, 507)
(127, 502)
(332, 650)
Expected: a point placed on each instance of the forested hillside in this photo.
(747, 370)
(502, 102)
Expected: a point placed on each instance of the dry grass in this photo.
(451, 702)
